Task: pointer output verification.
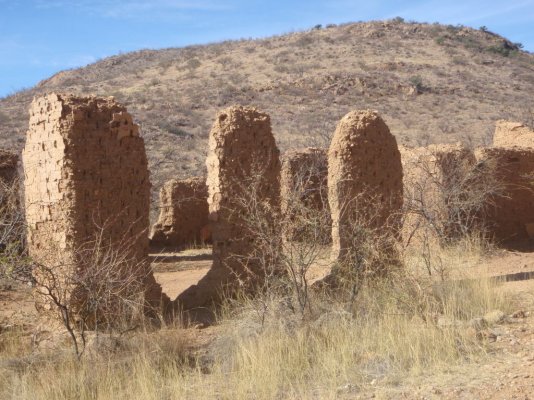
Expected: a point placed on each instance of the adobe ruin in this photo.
(510, 214)
(436, 179)
(243, 166)
(86, 177)
(304, 195)
(364, 179)
(183, 218)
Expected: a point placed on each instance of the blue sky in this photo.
(41, 37)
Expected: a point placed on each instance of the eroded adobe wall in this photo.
(304, 195)
(433, 178)
(364, 178)
(510, 134)
(510, 216)
(243, 165)
(183, 218)
(85, 171)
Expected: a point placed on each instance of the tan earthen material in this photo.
(304, 195)
(85, 172)
(511, 134)
(243, 165)
(511, 215)
(433, 176)
(364, 178)
(183, 218)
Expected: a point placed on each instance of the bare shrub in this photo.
(289, 265)
(304, 196)
(102, 288)
(280, 266)
(447, 197)
(370, 249)
(14, 263)
(448, 194)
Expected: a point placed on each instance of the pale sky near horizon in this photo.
(41, 37)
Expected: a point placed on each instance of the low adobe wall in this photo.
(304, 195)
(435, 181)
(183, 218)
(510, 215)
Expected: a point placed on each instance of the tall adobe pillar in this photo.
(86, 177)
(243, 169)
(364, 179)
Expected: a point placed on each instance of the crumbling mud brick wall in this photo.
(364, 179)
(243, 172)
(183, 218)
(510, 134)
(85, 172)
(304, 195)
(436, 181)
(510, 215)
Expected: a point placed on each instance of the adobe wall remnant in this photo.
(510, 134)
(304, 195)
(436, 182)
(243, 165)
(510, 215)
(85, 170)
(183, 218)
(364, 179)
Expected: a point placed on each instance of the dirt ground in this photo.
(175, 272)
(507, 372)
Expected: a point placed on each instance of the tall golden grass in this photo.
(264, 349)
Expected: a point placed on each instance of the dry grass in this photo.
(392, 330)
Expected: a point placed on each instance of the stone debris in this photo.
(183, 218)
(243, 164)
(304, 195)
(364, 179)
(86, 175)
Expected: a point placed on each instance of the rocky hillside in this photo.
(431, 83)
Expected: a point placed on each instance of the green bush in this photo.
(417, 81)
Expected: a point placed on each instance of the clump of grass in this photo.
(265, 349)
(389, 331)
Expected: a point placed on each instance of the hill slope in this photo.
(431, 83)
